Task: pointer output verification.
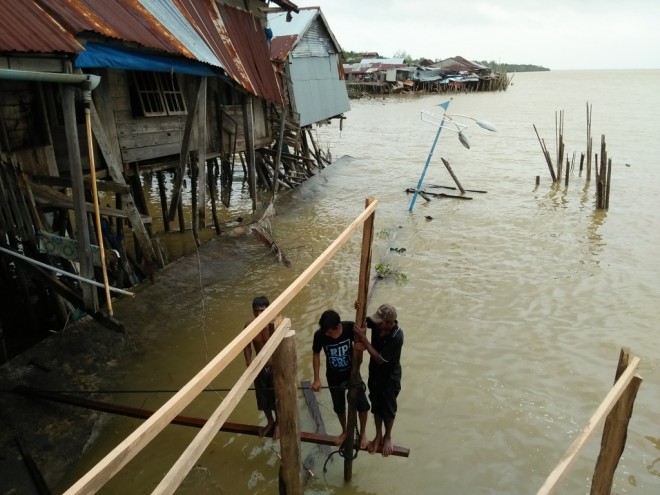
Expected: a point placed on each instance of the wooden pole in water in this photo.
(278, 156)
(453, 175)
(607, 188)
(546, 155)
(284, 380)
(580, 441)
(589, 142)
(615, 432)
(360, 320)
(163, 199)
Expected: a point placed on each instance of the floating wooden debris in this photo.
(437, 195)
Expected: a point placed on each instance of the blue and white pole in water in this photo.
(444, 105)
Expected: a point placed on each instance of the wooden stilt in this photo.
(213, 192)
(248, 123)
(163, 199)
(193, 98)
(278, 156)
(194, 171)
(201, 154)
(82, 226)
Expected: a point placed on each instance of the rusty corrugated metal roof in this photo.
(280, 46)
(126, 20)
(237, 38)
(25, 27)
(201, 30)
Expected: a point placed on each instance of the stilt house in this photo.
(96, 95)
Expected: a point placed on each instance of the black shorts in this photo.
(264, 389)
(383, 396)
(338, 392)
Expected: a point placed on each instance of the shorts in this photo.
(265, 390)
(383, 398)
(339, 391)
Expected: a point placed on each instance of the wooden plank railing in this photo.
(113, 462)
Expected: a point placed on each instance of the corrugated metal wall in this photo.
(318, 91)
(315, 42)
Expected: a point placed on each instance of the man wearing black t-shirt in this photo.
(335, 338)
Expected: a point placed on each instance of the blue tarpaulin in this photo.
(113, 57)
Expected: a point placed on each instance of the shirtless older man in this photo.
(264, 388)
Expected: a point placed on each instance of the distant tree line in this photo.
(499, 67)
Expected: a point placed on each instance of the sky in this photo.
(556, 34)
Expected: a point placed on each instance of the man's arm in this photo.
(316, 366)
(361, 336)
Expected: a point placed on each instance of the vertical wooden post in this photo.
(193, 97)
(284, 379)
(278, 155)
(615, 432)
(201, 154)
(105, 132)
(607, 188)
(163, 199)
(90, 297)
(360, 320)
(589, 142)
(87, 99)
(248, 124)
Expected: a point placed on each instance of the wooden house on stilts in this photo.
(98, 97)
(308, 57)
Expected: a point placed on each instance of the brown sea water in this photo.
(516, 304)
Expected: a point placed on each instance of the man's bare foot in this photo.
(340, 439)
(364, 443)
(276, 432)
(374, 445)
(388, 448)
(265, 430)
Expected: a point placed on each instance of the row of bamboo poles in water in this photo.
(602, 166)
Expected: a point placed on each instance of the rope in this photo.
(340, 450)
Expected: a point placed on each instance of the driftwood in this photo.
(436, 195)
(272, 246)
(454, 188)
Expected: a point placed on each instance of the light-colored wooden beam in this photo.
(578, 444)
(196, 448)
(136, 441)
